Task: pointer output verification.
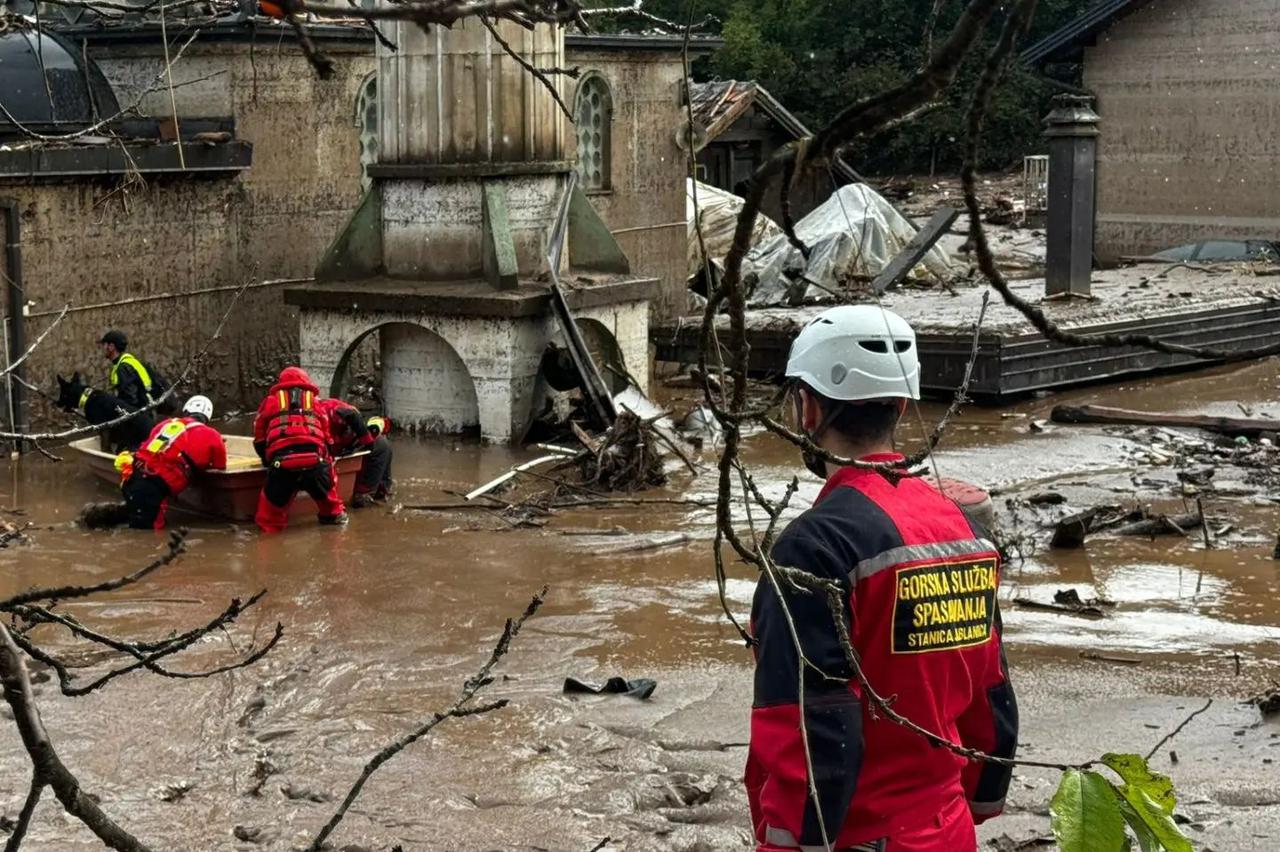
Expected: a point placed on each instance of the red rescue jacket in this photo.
(347, 429)
(921, 587)
(289, 420)
(178, 448)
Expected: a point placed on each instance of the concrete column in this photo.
(322, 339)
(1072, 131)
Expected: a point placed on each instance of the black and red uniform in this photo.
(164, 464)
(348, 433)
(291, 435)
(920, 587)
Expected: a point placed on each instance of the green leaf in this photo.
(1159, 823)
(1147, 840)
(1085, 814)
(1135, 772)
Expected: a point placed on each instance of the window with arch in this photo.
(593, 116)
(367, 125)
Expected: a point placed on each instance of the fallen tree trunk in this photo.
(1247, 426)
(1162, 525)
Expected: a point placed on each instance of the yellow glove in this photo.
(124, 465)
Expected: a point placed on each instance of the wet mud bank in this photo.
(386, 619)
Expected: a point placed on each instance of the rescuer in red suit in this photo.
(165, 463)
(349, 433)
(920, 587)
(291, 435)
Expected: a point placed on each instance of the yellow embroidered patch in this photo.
(944, 605)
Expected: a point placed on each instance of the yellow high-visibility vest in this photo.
(133, 362)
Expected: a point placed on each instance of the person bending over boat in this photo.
(165, 463)
(291, 435)
(349, 433)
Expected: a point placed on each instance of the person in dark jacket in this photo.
(291, 435)
(164, 464)
(920, 586)
(349, 433)
(130, 379)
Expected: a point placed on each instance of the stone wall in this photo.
(160, 257)
(1190, 122)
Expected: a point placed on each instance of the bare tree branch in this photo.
(177, 546)
(48, 768)
(540, 74)
(32, 348)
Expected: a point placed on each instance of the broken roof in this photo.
(1066, 42)
(718, 104)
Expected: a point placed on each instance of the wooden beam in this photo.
(915, 251)
(1249, 427)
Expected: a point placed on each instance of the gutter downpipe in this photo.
(16, 336)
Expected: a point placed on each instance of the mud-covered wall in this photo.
(173, 248)
(1190, 122)
(645, 206)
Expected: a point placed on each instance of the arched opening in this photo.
(593, 122)
(605, 351)
(413, 375)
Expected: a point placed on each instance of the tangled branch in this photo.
(31, 609)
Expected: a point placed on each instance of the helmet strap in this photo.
(812, 462)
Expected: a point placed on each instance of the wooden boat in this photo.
(230, 493)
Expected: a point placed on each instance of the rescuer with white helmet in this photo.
(177, 451)
(855, 367)
(919, 612)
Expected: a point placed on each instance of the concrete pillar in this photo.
(1072, 131)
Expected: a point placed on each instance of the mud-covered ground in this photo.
(387, 618)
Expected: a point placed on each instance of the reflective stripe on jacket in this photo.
(179, 447)
(288, 419)
(920, 589)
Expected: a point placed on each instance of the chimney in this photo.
(1072, 131)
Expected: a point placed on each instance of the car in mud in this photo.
(1224, 251)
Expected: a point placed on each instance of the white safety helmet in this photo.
(857, 352)
(199, 405)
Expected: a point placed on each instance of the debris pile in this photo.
(625, 458)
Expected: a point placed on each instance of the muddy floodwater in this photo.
(384, 620)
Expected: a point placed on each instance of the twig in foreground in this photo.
(1178, 729)
(460, 708)
(47, 769)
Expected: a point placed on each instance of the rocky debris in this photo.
(175, 792)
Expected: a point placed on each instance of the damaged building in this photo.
(738, 126)
(137, 231)
(1188, 104)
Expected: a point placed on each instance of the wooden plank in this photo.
(915, 251)
(601, 407)
(1249, 427)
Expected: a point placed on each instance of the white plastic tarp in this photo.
(719, 210)
(855, 232)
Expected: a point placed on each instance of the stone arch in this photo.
(425, 382)
(606, 352)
